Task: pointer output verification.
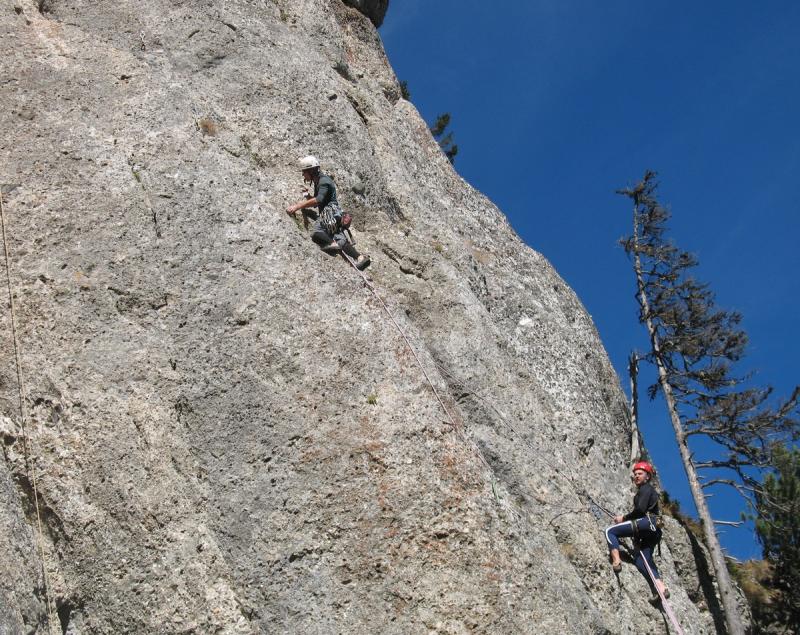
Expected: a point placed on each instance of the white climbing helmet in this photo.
(308, 163)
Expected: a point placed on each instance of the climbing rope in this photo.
(29, 466)
(594, 506)
(374, 291)
(631, 552)
(664, 603)
(453, 422)
(580, 491)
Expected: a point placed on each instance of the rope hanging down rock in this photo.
(667, 608)
(29, 466)
(453, 422)
(630, 551)
(595, 508)
(578, 490)
(594, 505)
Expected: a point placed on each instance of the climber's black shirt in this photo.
(325, 191)
(645, 501)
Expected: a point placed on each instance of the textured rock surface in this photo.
(375, 10)
(229, 434)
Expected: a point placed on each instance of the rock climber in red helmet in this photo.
(643, 524)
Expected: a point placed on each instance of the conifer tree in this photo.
(444, 138)
(693, 345)
(778, 530)
(405, 93)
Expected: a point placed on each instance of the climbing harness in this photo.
(25, 440)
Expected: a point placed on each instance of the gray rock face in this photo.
(375, 10)
(229, 433)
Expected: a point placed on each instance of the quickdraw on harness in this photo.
(330, 217)
(336, 221)
(656, 524)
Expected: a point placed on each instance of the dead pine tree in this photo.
(637, 449)
(693, 346)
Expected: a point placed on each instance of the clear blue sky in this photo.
(557, 103)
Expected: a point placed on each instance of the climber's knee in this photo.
(321, 237)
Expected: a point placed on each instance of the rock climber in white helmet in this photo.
(327, 230)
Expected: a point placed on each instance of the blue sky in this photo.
(557, 103)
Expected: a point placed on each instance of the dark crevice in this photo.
(137, 175)
(706, 579)
(52, 524)
(393, 210)
(410, 271)
(407, 265)
(64, 612)
(358, 108)
(344, 71)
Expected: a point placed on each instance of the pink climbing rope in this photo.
(664, 603)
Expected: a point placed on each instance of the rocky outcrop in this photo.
(375, 10)
(228, 432)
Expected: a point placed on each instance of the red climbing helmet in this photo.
(643, 465)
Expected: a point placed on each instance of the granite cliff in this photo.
(219, 427)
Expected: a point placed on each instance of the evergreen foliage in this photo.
(694, 345)
(699, 344)
(443, 137)
(778, 530)
(439, 128)
(754, 579)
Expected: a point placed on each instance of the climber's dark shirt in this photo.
(645, 501)
(325, 191)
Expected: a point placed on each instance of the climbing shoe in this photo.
(616, 567)
(362, 263)
(656, 599)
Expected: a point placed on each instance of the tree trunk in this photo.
(727, 594)
(636, 437)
